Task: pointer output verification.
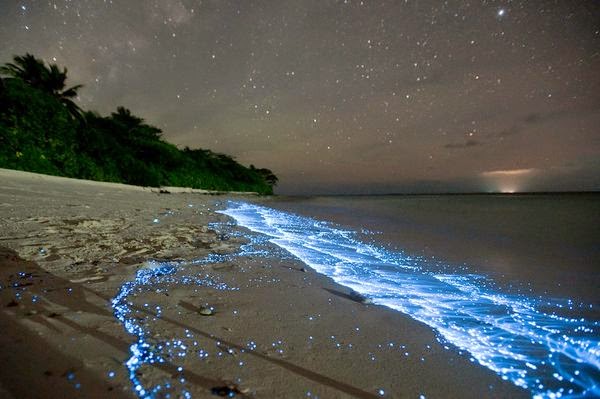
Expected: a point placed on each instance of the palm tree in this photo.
(134, 126)
(27, 68)
(49, 78)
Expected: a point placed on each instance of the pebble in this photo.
(204, 311)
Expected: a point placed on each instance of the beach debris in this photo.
(303, 270)
(206, 311)
(357, 297)
(226, 391)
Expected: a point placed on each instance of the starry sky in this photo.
(344, 96)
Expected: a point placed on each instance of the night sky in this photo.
(344, 96)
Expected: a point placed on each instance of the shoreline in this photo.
(69, 247)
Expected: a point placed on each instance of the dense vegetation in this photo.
(42, 130)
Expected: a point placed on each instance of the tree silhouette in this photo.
(133, 127)
(268, 176)
(49, 78)
(125, 117)
(38, 132)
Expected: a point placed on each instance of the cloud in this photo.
(466, 144)
(529, 119)
(537, 118)
(508, 172)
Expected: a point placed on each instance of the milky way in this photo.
(344, 96)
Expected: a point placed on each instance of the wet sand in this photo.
(67, 247)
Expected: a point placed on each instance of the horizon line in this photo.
(495, 193)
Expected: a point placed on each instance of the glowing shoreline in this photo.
(550, 355)
(144, 351)
(148, 351)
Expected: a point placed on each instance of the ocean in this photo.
(513, 280)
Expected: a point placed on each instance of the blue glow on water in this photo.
(531, 342)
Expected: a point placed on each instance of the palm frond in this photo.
(73, 109)
(11, 69)
(71, 92)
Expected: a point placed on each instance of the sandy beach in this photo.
(215, 322)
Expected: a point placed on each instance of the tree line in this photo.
(43, 130)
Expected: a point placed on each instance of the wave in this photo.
(531, 342)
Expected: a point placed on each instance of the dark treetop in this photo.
(43, 130)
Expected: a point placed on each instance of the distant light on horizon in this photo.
(506, 186)
(508, 181)
(508, 190)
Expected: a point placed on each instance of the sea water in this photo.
(512, 280)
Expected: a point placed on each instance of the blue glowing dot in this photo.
(381, 392)
(111, 374)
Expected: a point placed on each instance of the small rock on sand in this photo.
(206, 311)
